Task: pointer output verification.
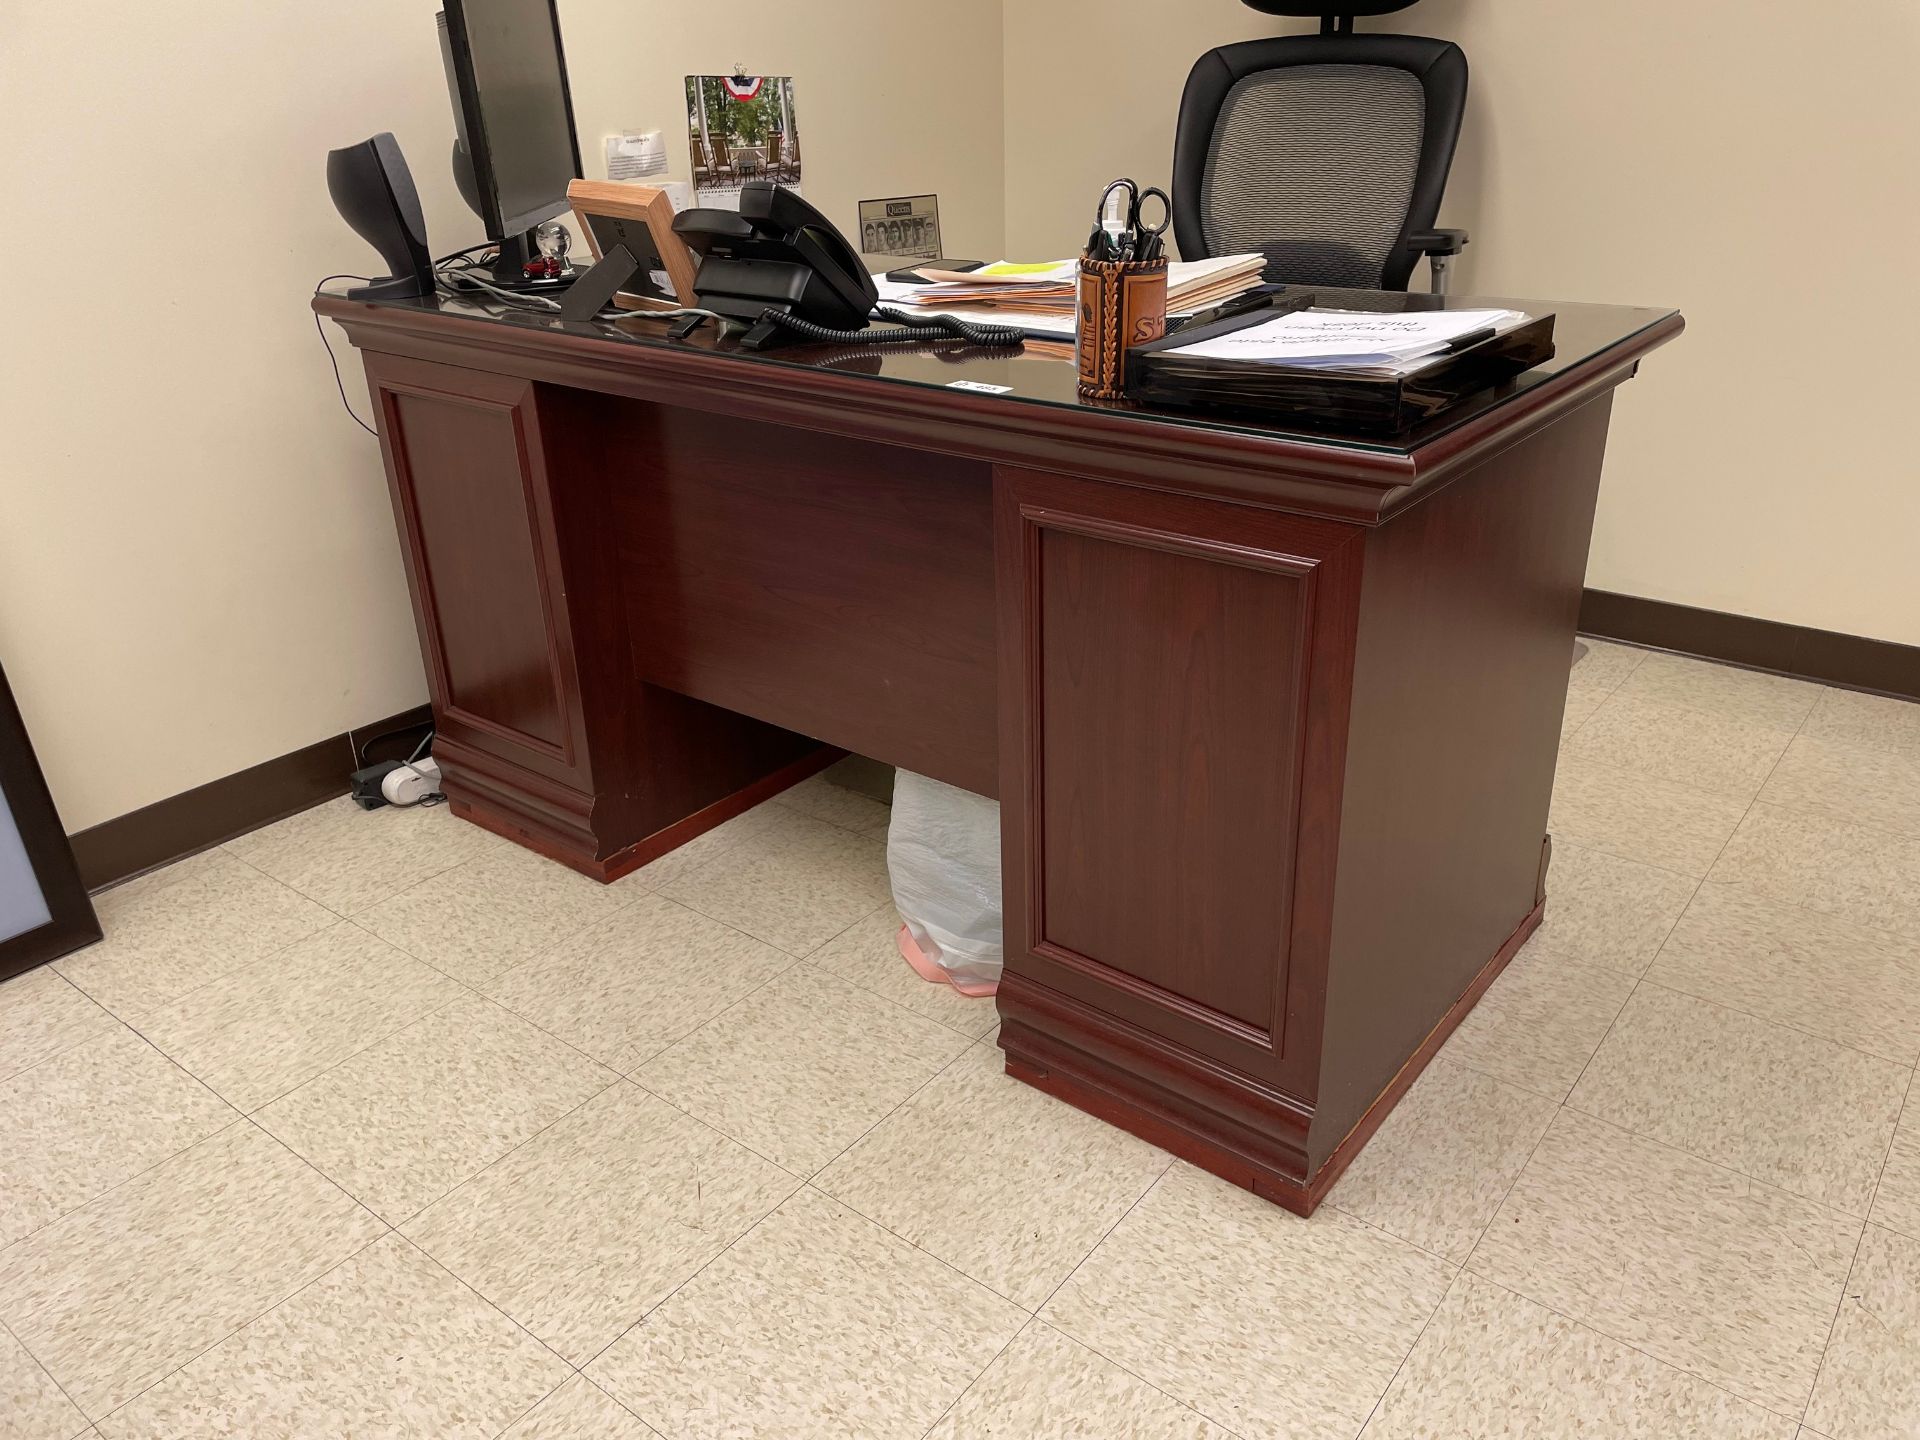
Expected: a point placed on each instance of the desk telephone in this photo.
(778, 253)
(779, 267)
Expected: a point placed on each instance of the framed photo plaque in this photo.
(639, 217)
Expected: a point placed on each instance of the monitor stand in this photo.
(509, 271)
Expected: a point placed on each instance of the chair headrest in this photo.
(1322, 8)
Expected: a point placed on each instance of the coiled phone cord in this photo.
(917, 330)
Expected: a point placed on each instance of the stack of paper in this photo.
(1353, 340)
(1198, 284)
(1191, 284)
(1041, 298)
(1002, 280)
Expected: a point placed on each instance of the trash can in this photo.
(943, 857)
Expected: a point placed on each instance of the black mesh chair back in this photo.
(1327, 153)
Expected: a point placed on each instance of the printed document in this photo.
(1351, 339)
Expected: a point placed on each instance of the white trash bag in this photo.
(943, 855)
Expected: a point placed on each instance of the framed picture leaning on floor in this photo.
(44, 909)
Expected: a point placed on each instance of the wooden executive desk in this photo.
(1272, 714)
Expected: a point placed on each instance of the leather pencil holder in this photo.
(1122, 303)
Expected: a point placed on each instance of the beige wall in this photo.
(1130, 58)
(882, 111)
(198, 569)
(1756, 165)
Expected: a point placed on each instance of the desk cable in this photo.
(914, 329)
(455, 274)
(334, 360)
(462, 282)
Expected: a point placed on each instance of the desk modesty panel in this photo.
(1272, 712)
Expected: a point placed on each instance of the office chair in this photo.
(1328, 153)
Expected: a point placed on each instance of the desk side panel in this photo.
(500, 492)
(1174, 691)
(471, 489)
(1467, 619)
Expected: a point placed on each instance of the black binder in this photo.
(1325, 397)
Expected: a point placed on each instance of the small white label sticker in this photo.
(981, 386)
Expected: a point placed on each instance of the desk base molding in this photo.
(513, 802)
(1120, 1074)
(1224, 1122)
(522, 815)
(1364, 1129)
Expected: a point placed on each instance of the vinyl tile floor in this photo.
(374, 1125)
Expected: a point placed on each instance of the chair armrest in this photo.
(1439, 242)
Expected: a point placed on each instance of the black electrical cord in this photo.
(361, 747)
(453, 255)
(916, 330)
(333, 359)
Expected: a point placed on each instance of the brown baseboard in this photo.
(1826, 656)
(207, 815)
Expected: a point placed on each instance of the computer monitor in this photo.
(516, 148)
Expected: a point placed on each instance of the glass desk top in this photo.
(1043, 373)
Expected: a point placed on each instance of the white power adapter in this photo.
(410, 784)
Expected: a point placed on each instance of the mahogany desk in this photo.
(1272, 714)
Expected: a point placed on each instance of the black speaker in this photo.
(373, 191)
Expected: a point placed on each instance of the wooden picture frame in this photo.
(611, 212)
(30, 832)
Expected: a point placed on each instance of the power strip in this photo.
(410, 784)
(394, 782)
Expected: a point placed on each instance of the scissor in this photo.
(1139, 241)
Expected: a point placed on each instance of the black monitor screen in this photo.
(518, 101)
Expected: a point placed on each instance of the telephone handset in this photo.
(776, 253)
